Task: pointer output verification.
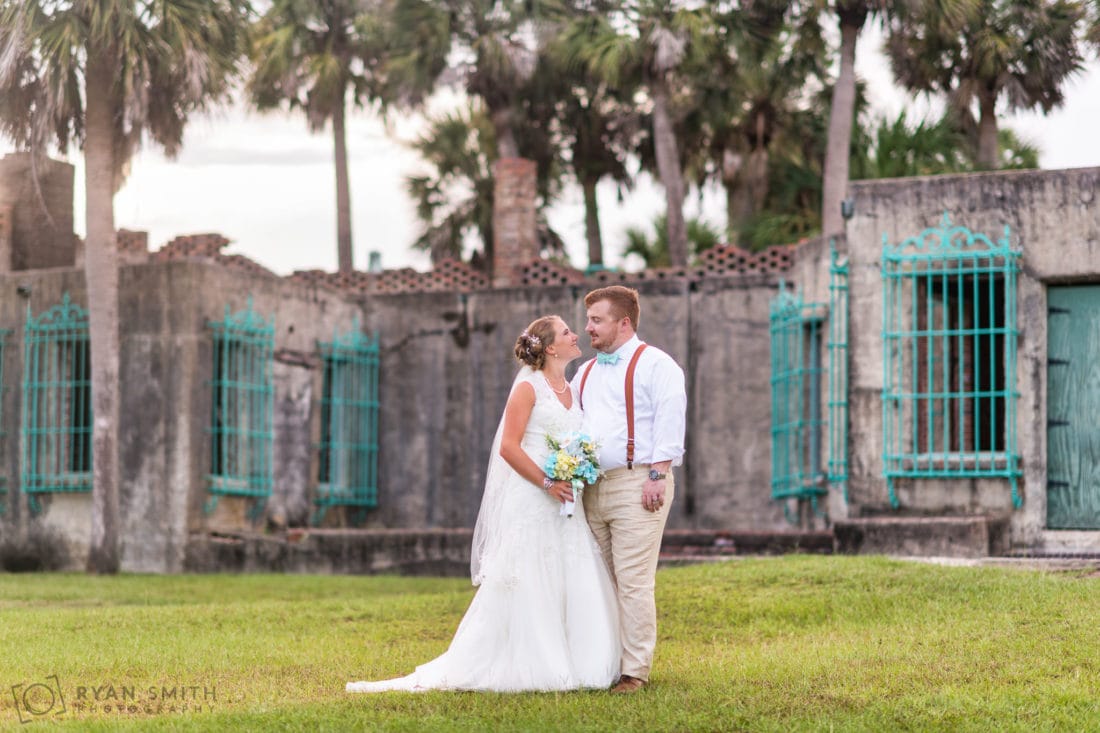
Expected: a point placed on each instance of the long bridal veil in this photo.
(490, 522)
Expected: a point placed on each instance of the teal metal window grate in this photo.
(838, 371)
(949, 357)
(796, 373)
(4, 334)
(57, 403)
(348, 474)
(242, 408)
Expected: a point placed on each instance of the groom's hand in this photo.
(653, 495)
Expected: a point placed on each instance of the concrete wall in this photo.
(445, 375)
(60, 535)
(303, 315)
(1054, 218)
(447, 369)
(165, 372)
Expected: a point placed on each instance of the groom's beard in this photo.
(603, 344)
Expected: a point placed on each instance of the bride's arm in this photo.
(516, 414)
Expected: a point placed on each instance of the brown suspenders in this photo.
(584, 378)
(629, 400)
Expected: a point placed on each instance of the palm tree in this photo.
(926, 148)
(900, 148)
(655, 251)
(792, 210)
(774, 55)
(595, 126)
(102, 74)
(319, 56)
(454, 199)
(657, 44)
(492, 49)
(601, 129)
(1021, 53)
(852, 15)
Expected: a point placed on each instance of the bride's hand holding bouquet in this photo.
(574, 458)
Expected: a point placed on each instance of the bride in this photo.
(545, 616)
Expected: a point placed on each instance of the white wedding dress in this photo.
(545, 616)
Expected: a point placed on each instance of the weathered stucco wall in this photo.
(447, 368)
(1054, 218)
(165, 372)
(59, 536)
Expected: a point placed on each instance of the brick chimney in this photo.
(37, 238)
(515, 242)
(133, 247)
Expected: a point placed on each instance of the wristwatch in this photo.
(654, 476)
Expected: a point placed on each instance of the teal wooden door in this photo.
(1073, 407)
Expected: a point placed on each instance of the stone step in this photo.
(710, 543)
(971, 536)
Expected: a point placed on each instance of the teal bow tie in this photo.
(611, 359)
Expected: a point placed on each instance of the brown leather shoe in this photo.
(628, 684)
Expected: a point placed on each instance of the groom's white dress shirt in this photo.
(660, 407)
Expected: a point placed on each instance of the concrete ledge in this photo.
(957, 537)
(723, 542)
(443, 552)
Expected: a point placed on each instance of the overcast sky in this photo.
(268, 184)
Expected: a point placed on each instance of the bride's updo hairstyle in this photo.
(531, 344)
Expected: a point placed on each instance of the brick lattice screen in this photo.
(451, 275)
(207, 247)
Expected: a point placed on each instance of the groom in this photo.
(641, 439)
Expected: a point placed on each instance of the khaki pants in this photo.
(629, 537)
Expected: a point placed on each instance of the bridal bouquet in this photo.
(574, 458)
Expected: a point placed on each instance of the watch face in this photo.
(653, 475)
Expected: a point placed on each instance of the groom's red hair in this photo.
(623, 302)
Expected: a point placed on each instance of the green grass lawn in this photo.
(794, 643)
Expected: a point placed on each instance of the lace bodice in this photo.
(548, 417)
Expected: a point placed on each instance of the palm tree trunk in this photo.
(592, 222)
(738, 209)
(732, 163)
(343, 189)
(989, 153)
(841, 114)
(757, 174)
(502, 127)
(101, 279)
(668, 168)
(746, 193)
